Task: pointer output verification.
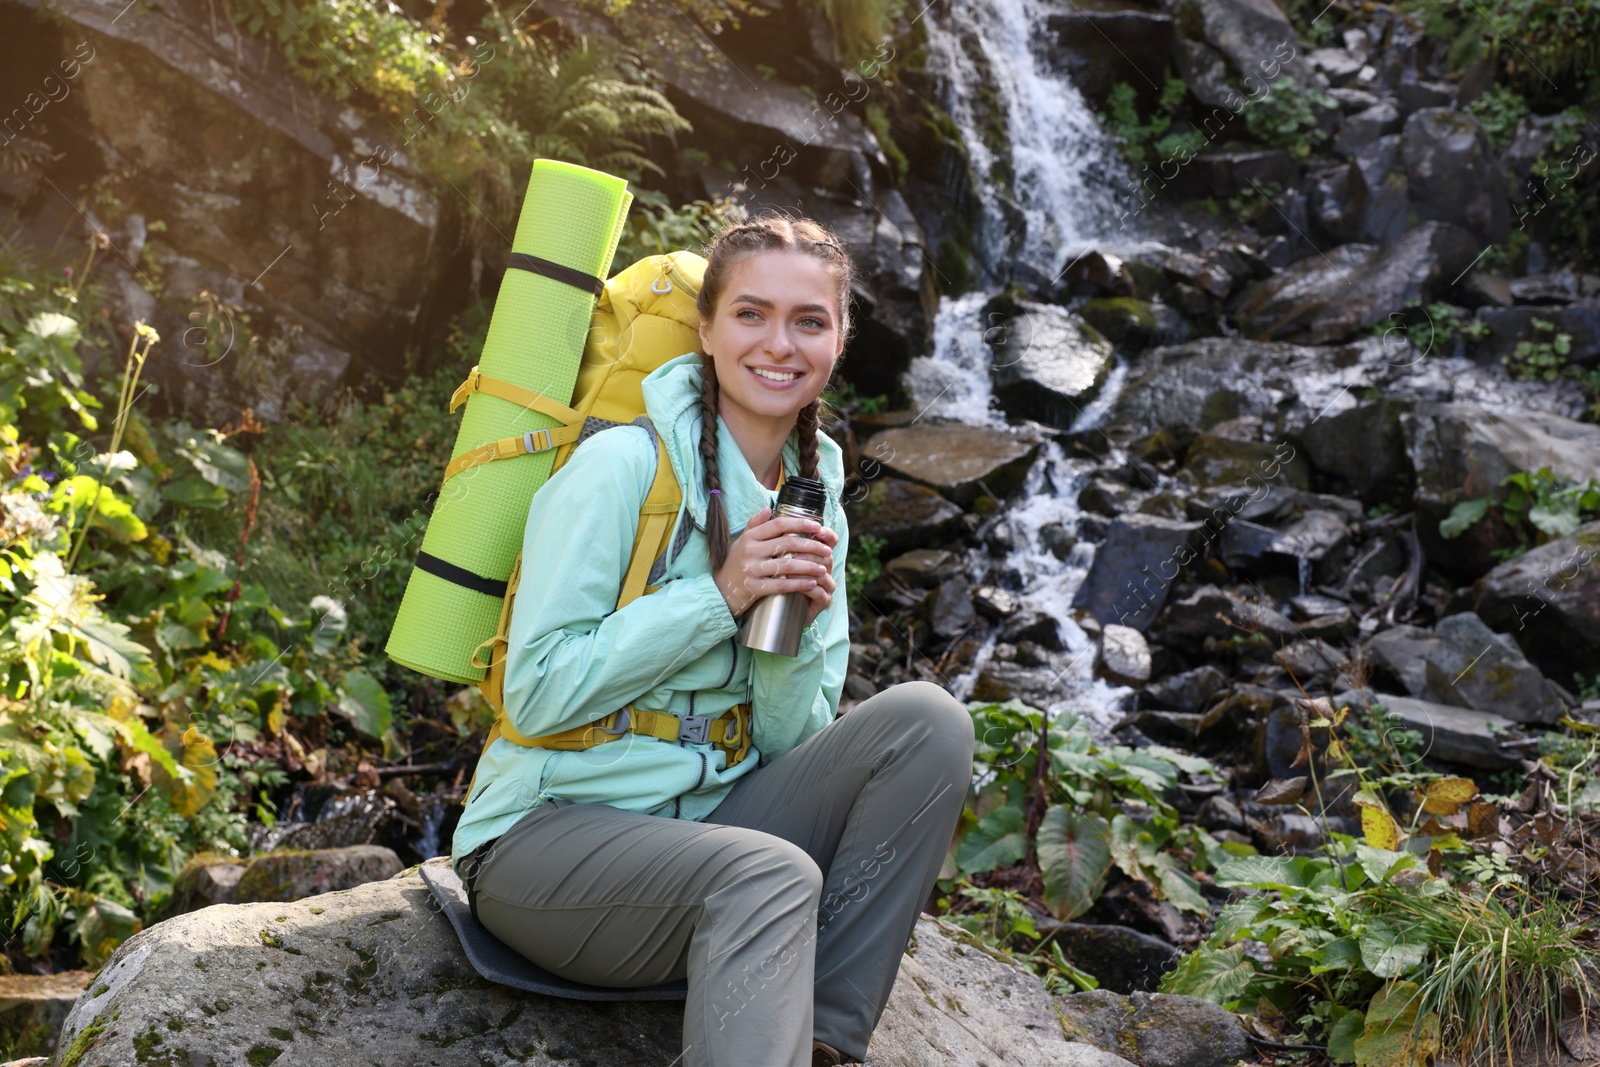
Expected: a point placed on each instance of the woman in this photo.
(786, 886)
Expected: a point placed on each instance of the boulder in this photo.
(1124, 655)
(1156, 1029)
(1191, 387)
(1351, 288)
(1508, 326)
(1548, 600)
(1453, 175)
(902, 514)
(1139, 39)
(1452, 734)
(1365, 446)
(950, 611)
(1213, 612)
(1234, 450)
(924, 568)
(954, 457)
(1379, 196)
(1255, 37)
(375, 975)
(1365, 127)
(1191, 691)
(1122, 958)
(1462, 451)
(33, 1007)
(1132, 573)
(1463, 662)
(220, 136)
(294, 875)
(1050, 365)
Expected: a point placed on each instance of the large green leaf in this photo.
(1219, 975)
(363, 701)
(996, 841)
(1269, 872)
(1074, 856)
(1386, 953)
(1393, 1035)
(1462, 517)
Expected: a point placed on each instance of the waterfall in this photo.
(1048, 182)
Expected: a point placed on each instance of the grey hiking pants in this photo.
(788, 909)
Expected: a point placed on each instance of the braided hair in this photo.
(767, 232)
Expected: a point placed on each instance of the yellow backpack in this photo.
(645, 316)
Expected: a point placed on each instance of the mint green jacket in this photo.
(574, 657)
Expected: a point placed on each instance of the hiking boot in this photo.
(825, 1055)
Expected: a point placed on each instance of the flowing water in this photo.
(1047, 187)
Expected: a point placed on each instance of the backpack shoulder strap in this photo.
(660, 507)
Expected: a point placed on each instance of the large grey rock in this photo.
(1352, 287)
(1379, 195)
(1452, 734)
(375, 975)
(1453, 175)
(287, 876)
(1124, 655)
(1156, 1029)
(264, 185)
(1365, 446)
(954, 457)
(1463, 662)
(33, 1007)
(1050, 365)
(1133, 571)
(902, 514)
(1122, 958)
(1462, 451)
(1255, 36)
(1548, 599)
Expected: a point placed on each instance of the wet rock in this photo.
(1191, 691)
(1212, 612)
(1416, 95)
(1123, 959)
(1139, 40)
(1311, 662)
(1379, 196)
(1463, 662)
(1363, 128)
(1548, 600)
(1555, 287)
(924, 568)
(1256, 39)
(993, 602)
(1460, 452)
(1051, 364)
(1352, 287)
(376, 976)
(1030, 625)
(1353, 100)
(1451, 734)
(1233, 451)
(903, 514)
(1155, 1029)
(1509, 326)
(1124, 655)
(1057, 539)
(290, 876)
(954, 457)
(1175, 728)
(1135, 324)
(1225, 172)
(1103, 496)
(1133, 571)
(950, 610)
(1453, 175)
(1365, 446)
(1339, 65)
(33, 1007)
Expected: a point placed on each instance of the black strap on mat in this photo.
(460, 575)
(555, 271)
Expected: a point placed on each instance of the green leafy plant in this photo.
(1286, 117)
(1499, 109)
(862, 564)
(1536, 507)
(1148, 141)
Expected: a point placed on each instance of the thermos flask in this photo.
(773, 623)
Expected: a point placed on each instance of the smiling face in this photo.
(774, 338)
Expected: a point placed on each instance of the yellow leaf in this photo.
(196, 781)
(1379, 828)
(1445, 795)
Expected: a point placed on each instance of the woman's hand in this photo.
(782, 555)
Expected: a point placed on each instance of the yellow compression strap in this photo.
(729, 731)
(507, 447)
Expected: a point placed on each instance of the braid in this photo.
(716, 514)
(806, 426)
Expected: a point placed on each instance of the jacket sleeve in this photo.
(573, 656)
(795, 696)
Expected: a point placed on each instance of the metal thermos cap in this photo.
(803, 494)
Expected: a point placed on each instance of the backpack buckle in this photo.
(529, 446)
(695, 728)
(623, 714)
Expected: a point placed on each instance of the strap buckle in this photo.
(529, 446)
(695, 728)
(623, 713)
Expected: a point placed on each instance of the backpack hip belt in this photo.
(729, 731)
